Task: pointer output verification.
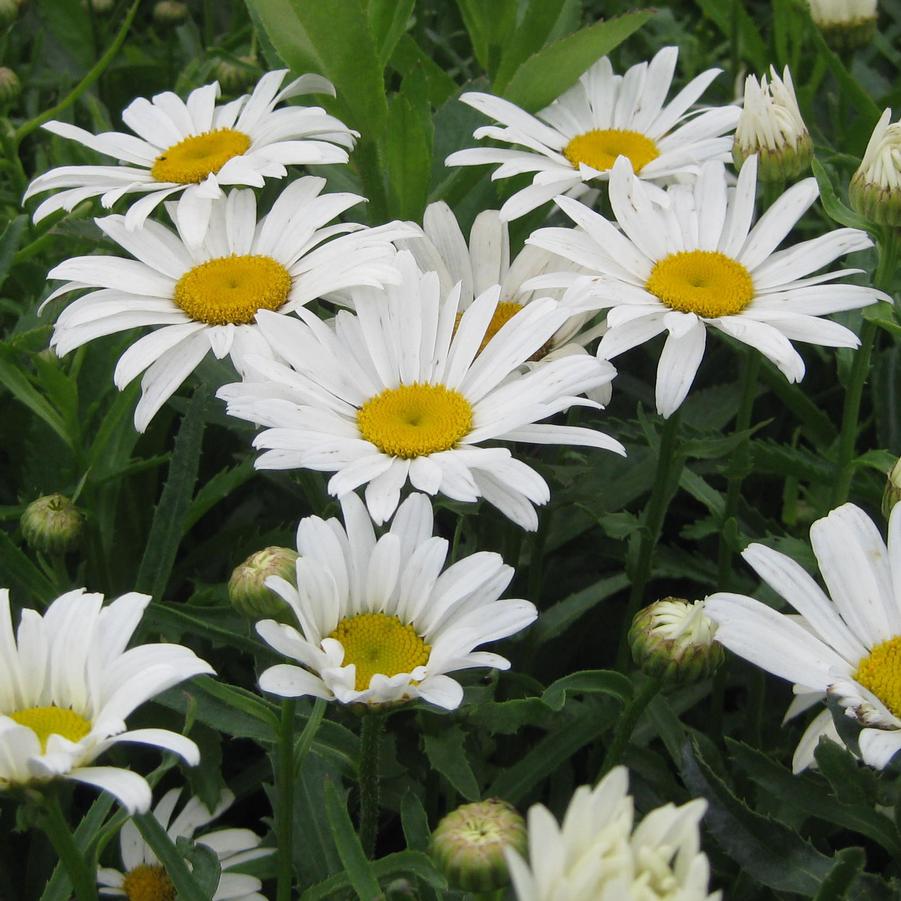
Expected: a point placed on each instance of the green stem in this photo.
(83, 876)
(370, 740)
(669, 464)
(96, 71)
(626, 724)
(169, 856)
(733, 489)
(285, 793)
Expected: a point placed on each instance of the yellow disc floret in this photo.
(415, 420)
(190, 161)
(379, 643)
(148, 882)
(704, 282)
(47, 721)
(880, 673)
(600, 147)
(232, 289)
(503, 313)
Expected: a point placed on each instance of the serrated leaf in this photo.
(446, 752)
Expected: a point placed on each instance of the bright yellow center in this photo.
(190, 161)
(600, 147)
(47, 721)
(503, 313)
(415, 420)
(880, 673)
(232, 289)
(378, 643)
(148, 882)
(705, 282)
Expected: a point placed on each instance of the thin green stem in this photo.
(625, 726)
(370, 740)
(669, 464)
(733, 489)
(96, 71)
(83, 876)
(284, 785)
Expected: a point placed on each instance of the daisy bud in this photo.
(845, 24)
(892, 493)
(9, 9)
(101, 6)
(673, 640)
(235, 75)
(10, 88)
(52, 524)
(170, 12)
(247, 590)
(468, 845)
(875, 189)
(771, 126)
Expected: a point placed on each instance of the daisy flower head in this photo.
(67, 684)
(575, 141)
(846, 643)
(399, 392)
(380, 622)
(484, 262)
(204, 297)
(195, 148)
(846, 24)
(143, 878)
(696, 263)
(598, 854)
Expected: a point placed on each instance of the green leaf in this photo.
(848, 864)
(407, 153)
(357, 868)
(558, 618)
(409, 56)
(545, 75)
(532, 33)
(781, 459)
(315, 857)
(883, 315)
(608, 682)
(21, 575)
(218, 488)
(446, 752)
(753, 46)
(388, 20)
(835, 209)
(331, 37)
(9, 243)
(489, 26)
(188, 888)
(169, 518)
(508, 717)
(391, 866)
(414, 821)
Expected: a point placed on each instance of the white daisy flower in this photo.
(380, 622)
(847, 644)
(696, 263)
(143, 878)
(597, 855)
(576, 140)
(400, 392)
(484, 263)
(196, 148)
(67, 684)
(205, 297)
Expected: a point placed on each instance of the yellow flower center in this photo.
(415, 420)
(232, 289)
(148, 882)
(47, 721)
(705, 282)
(378, 643)
(880, 673)
(600, 147)
(190, 161)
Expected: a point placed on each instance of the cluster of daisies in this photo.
(408, 362)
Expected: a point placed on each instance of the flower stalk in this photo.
(57, 831)
(285, 794)
(373, 726)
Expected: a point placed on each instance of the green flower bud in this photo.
(236, 74)
(673, 640)
(170, 12)
(892, 493)
(875, 189)
(247, 590)
(10, 88)
(468, 844)
(9, 10)
(52, 524)
(845, 24)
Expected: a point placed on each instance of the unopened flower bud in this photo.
(468, 845)
(875, 189)
(892, 493)
(236, 74)
(170, 12)
(247, 590)
(845, 24)
(52, 524)
(102, 6)
(771, 126)
(9, 9)
(673, 640)
(10, 88)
